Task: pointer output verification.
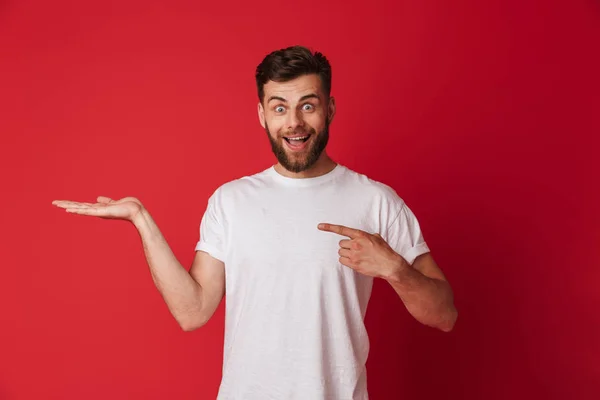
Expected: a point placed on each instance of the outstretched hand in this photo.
(366, 253)
(126, 208)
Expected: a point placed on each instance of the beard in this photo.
(302, 161)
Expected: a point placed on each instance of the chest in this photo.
(281, 231)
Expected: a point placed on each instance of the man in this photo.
(296, 248)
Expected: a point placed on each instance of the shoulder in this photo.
(240, 187)
(378, 191)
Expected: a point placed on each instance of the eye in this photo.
(307, 107)
(279, 109)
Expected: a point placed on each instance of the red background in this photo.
(483, 115)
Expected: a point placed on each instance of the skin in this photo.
(192, 297)
(298, 106)
(422, 286)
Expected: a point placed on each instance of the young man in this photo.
(296, 248)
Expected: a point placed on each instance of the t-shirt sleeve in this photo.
(405, 237)
(212, 234)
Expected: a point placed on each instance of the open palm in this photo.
(126, 208)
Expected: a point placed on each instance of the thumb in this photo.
(104, 199)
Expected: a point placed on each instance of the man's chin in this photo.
(294, 167)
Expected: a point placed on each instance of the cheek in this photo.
(278, 131)
(316, 121)
(314, 127)
(274, 127)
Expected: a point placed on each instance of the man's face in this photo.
(296, 115)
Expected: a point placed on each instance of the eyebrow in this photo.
(308, 96)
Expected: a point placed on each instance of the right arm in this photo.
(192, 297)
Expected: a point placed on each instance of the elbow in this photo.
(449, 323)
(191, 324)
(189, 327)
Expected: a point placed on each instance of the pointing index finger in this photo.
(341, 230)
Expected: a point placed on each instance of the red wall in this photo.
(483, 115)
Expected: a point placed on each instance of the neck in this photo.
(323, 165)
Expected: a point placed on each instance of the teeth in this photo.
(300, 138)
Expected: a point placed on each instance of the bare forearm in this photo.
(428, 300)
(182, 294)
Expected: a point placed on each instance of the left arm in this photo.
(422, 286)
(424, 290)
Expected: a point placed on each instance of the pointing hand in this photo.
(366, 253)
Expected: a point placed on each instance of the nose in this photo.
(294, 120)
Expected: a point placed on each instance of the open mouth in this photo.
(297, 143)
(297, 140)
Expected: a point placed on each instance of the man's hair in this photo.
(289, 63)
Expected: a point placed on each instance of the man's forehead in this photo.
(298, 87)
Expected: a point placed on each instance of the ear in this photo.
(261, 114)
(331, 109)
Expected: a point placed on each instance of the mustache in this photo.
(298, 132)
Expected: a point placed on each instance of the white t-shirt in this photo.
(294, 315)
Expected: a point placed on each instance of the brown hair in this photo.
(289, 63)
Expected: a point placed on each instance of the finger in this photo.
(93, 211)
(345, 253)
(104, 199)
(346, 244)
(66, 203)
(341, 230)
(346, 261)
(84, 211)
(60, 202)
(83, 205)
